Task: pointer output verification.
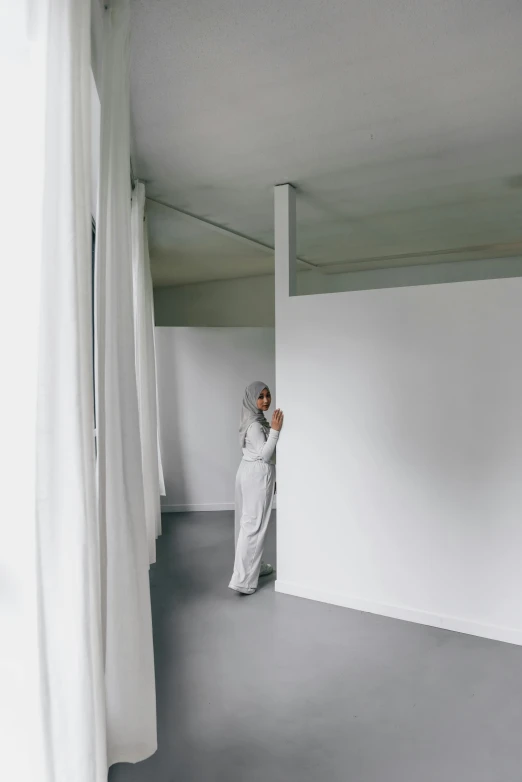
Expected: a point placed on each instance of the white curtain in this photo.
(67, 533)
(22, 87)
(146, 368)
(51, 582)
(161, 474)
(129, 666)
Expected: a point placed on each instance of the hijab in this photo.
(250, 413)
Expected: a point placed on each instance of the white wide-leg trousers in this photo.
(255, 484)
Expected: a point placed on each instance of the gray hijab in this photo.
(250, 411)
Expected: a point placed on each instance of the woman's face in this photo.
(264, 400)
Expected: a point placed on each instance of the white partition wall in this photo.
(202, 375)
(400, 464)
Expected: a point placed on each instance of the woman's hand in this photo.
(277, 420)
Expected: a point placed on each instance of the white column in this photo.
(285, 289)
(285, 242)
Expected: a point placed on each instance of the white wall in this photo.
(243, 302)
(400, 464)
(250, 301)
(202, 375)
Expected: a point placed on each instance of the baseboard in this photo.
(209, 506)
(492, 632)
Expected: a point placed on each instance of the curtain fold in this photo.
(67, 543)
(146, 369)
(129, 665)
(161, 475)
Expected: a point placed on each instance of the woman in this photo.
(255, 485)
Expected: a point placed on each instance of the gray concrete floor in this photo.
(274, 687)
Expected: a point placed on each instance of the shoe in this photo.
(242, 590)
(266, 570)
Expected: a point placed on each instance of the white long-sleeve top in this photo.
(260, 445)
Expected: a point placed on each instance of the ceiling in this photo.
(399, 122)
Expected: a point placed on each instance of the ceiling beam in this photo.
(247, 240)
(479, 251)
